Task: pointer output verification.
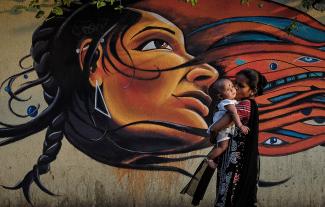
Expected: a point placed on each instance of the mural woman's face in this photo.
(179, 96)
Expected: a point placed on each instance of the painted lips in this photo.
(197, 101)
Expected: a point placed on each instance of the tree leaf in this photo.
(100, 4)
(245, 2)
(32, 3)
(119, 7)
(111, 2)
(67, 2)
(194, 2)
(39, 14)
(307, 3)
(57, 11)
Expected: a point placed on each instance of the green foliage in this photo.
(57, 10)
(119, 7)
(36, 5)
(39, 5)
(39, 14)
(307, 3)
(193, 2)
(304, 3)
(245, 2)
(100, 3)
(57, 5)
(67, 2)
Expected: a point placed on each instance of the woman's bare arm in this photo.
(222, 123)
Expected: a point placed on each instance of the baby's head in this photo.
(225, 88)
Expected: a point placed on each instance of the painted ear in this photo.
(82, 51)
(93, 64)
(95, 69)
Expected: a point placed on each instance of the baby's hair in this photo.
(218, 86)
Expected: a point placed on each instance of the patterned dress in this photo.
(231, 165)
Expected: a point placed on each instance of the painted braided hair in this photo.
(70, 110)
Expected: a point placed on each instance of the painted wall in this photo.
(292, 110)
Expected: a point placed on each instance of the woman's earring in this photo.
(100, 104)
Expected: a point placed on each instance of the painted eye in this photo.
(274, 141)
(154, 45)
(307, 59)
(273, 66)
(317, 121)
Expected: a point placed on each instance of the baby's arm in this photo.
(233, 111)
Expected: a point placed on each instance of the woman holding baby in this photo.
(235, 134)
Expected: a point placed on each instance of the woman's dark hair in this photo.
(256, 81)
(69, 96)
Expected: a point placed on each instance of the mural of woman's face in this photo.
(154, 44)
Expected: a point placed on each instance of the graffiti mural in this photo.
(128, 87)
(292, 108)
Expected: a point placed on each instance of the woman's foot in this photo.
(211, 163)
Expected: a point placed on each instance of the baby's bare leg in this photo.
(219, 149)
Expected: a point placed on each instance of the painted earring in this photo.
(100, 104)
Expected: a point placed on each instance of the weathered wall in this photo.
(82, 181)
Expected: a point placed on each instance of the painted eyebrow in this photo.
(153, 27)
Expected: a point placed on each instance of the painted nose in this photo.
(202, 76)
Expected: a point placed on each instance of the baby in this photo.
(226, 92)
